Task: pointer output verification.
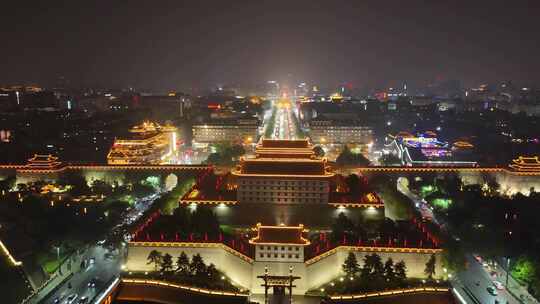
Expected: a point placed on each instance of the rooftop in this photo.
(526, 164)
(280, 235)
(283, 143)
(282, 166)
(284, 149)
(43, 161)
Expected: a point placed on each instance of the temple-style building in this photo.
(279, 243)
(147, 143)
(283, 256)
(283, 172)
(43, 162)
(526, 164)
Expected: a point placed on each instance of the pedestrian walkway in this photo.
(513, 286)
(64, 272)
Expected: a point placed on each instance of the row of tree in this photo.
(226, 154)
(376, 275)
(270, 125)
(182, 270)
(200, 221)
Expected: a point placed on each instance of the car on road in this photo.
(58, 300)
(71, 299)
(91, 284)
(83, 300)
(498, 285)
(492, 291)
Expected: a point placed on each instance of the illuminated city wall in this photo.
(510, 182)
(313, 274)
(329, 268)
(236, 268)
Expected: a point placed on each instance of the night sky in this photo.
(177, 44)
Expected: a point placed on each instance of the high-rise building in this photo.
(327, 131)
(243, 131)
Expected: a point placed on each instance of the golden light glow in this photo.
(193, 245)
(282, 226)
(373, 249)
(11, 259)
(172, 285)
(390, 292)
(526, 164)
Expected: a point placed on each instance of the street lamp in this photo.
(507, 270)
(58, 258)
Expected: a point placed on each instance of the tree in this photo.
(154, 257)
(346, 157)
(76, 181)
(237, 151)
(197, 266)
(430, 267)
(101, 187)
(400, 269)
(372, 272)
(390, 160)
(353, 183)
(341, 225)
(182, 264)
(350, 266)
(166, 263)
(204, 220)
(319, 151)
(389, 273)
(213, 273)
(453, 256)
(524, 269)
(378, 267)
(8, 183)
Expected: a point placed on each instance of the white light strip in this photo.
(109, 289)
(461, 299)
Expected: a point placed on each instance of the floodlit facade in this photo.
(148, 143)
(279, 243)
(245, 131)
(283, 172)
(340, 132)
(247, 271)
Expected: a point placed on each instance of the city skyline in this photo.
(307, 152)
(186, 45)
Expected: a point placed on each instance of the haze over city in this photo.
(181, 45)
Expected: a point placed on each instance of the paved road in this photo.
(473, 282)
(103, 269)
(284, 127)
(107, 263)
